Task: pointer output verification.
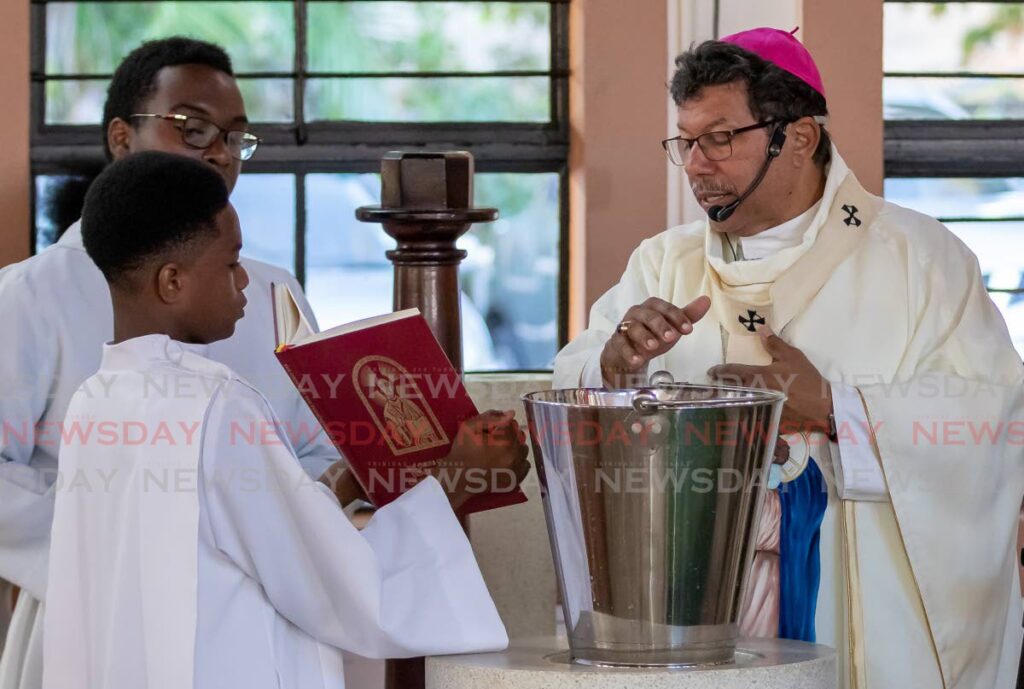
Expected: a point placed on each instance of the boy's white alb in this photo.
(206, 553)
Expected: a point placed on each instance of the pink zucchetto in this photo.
(783, 50)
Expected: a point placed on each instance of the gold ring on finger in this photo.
(623, 326)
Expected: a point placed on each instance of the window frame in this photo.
(953, 148)
(303, 148)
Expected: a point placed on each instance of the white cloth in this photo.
(58, 305)
(910, 594)
(773, 240)
(212, 560)
(858, 472)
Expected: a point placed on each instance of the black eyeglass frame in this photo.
(247, 145)
(697, 140)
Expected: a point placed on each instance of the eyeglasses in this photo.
(199, 133)
(716, 146)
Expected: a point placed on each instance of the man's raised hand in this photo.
(648, 330)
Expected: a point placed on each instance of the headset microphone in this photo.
(778, 140)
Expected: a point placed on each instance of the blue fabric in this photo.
(803, 501)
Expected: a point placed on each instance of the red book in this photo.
(384, 392)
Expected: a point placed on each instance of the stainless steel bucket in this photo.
(651, 497)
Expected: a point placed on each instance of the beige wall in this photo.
(845, 39)
(619, 61)
(14, 135)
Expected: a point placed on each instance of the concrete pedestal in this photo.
(543, 663)
(511, 544)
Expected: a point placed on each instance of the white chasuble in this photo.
(917, 585)
(190, 549)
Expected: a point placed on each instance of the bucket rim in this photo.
(754, 397)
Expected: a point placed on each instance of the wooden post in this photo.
(426, 205)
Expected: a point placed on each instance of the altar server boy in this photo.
(191, 555)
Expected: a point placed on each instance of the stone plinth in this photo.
(511, 544)
(542, 663)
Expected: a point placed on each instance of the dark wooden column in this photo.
(426, 205)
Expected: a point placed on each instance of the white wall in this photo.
(738, 15)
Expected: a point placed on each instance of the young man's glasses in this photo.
(199, 133)
(716, 146)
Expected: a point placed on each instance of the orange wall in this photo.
(14, 135)
(845, 39)
(618, 189)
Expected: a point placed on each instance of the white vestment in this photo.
(190, 549)
(918, 582)
(59, 308)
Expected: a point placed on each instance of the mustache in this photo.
(707, 189)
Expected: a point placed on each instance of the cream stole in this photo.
(775, 289)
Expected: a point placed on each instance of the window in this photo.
(954, 107)
(331, 86)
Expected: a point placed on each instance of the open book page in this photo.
(363, 324)
(293, 330)
(290, 324)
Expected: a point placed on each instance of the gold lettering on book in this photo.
(397, 405)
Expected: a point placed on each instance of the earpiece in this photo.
(777, 141)
(775, 144)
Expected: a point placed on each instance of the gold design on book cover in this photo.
(397, 405)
